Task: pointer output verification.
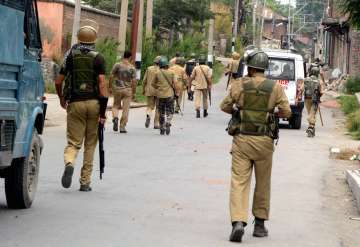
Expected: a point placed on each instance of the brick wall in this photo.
(108, 23)
(355, 51)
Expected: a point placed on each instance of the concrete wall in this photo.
(355, 53)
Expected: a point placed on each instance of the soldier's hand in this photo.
(102, 120)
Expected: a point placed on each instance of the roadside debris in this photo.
(344, 154)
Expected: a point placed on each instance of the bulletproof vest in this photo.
(190, 67)
(255, 116)
(310, 85)
(84, 82)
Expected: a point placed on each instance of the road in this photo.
(173, 191)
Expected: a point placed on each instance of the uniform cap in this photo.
(180, 60)
(87, 35)
(257, 59)
(202, 59)
(314, 71)
(163, 62)
(157, 59)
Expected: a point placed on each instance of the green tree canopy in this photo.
(352, 7)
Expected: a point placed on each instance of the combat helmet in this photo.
(180, 61)
(157, 60)
(257, 59)
(202, 59)
(315, 71)
(87, 35)
(193, 55)
(164, 62)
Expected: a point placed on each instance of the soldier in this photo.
(252, 100)
(150, 94)
(232, 68)
(173, 60)
(313, 90)
(201, 80)
(164, 83)
(189, 67)
(84, 70)
(182, 78)
(121, 82)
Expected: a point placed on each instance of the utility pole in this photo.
(210, 43)
(289, 25)
(76, 23)
(122, 26)
(149, 18)
(236, 25)
(254, 21)
(136, 34)
(263, 13)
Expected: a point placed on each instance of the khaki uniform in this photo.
(123, 75)
(310, 108)
(172, 61)
(200, 77)
(150, 93)
(180, 82)
(163, 83)
(252, 152)
(82, 127)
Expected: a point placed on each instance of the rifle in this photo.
(103, 104)
(209, 91)
(316, 101)
(229, 79)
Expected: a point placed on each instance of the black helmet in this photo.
(257, 59)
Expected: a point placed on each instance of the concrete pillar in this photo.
(76, 23)
(149, 18)
(123, 26)
(138, 56)
(210, 43)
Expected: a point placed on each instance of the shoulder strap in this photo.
(207, 81)
(167, 79)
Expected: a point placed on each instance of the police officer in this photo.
(84, 70)
(182, 78)
(173, 60)
(165, 86)
(233, 65)
(201, 80)
(313, 90)
(189, 67)
(121, 82)
(150, 93)
(256, 98)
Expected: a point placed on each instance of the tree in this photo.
(351, 7)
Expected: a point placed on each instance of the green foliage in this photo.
(353, 124)
(348, 103)
(108, 48)
(218, 71)
(351, 7)
(352, 85)
(50, 87)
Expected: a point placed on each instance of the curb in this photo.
(353, 179)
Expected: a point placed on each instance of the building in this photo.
(275, 25)
(340, 43)
(56, 22)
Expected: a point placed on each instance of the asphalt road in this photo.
(172, 191)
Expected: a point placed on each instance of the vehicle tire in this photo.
(295, 121)
(22, 177)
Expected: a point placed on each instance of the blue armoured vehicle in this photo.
(22, 107)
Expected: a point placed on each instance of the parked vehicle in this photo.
(22, 107)
(287, 68)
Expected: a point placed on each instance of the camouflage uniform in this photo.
(123, 75)
(181, 79)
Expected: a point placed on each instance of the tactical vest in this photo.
(310, 85)
(190, 65)
(83, 78)
(256, 119)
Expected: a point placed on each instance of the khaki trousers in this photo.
(201, 95)
(180, 100)
(151, 106)
(310, 108)
(122, 97)
(82, 127)
(248, 153)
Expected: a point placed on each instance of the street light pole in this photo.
(236, 24)
(76, 23)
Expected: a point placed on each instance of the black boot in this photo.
(197, 113)
(237, 232)
(260, 230)
(206, 113)
(67, 176)
(168, 129)
(310, 131)
(115, 124)
(85, 188)
(147, 121)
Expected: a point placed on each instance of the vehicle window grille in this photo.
(7, 134)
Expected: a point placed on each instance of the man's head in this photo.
(257, 61)
(202, 60)
(193, 56)
(87, 35)
(235, 56)
(127, 54)
(180, 61)
(163, 63)
(177, 54)
(286, 68)
(315, 71)
(157, 60)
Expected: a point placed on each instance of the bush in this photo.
(108, 48)
(349, 104)
(218, 71)
(352, 85)
(353, 124)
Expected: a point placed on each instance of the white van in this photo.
(286, 68)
